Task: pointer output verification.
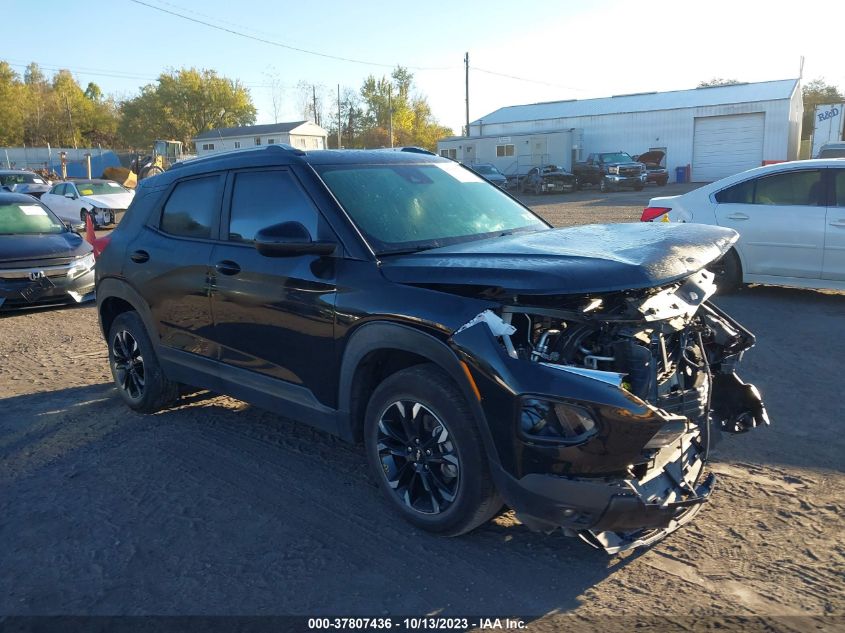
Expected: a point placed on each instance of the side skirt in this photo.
(288, 400)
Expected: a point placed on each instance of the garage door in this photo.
(726, 145)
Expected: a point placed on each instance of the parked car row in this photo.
(609, 171)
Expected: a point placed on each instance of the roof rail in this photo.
(275, 147)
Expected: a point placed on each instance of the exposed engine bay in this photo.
(673, 356)
(666, 347)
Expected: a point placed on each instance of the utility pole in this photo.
(70, 121)
(466, 69)
(314, 95)
(338, 117)
(390, 111)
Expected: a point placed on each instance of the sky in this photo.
(568, 50)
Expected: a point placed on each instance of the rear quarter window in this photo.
(740, 193)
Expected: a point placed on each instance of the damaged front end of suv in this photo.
(604, 405)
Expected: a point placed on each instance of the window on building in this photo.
(192, 207)
(504, 150)
(302, 143)
(449, 153)
(237, 144)
(271, 141)
(208, 146)
(258, 140)
(264, 198)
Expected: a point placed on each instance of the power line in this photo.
(532, 81)
(86, 71)
(279, 44)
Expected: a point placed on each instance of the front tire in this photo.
(728, 271)
(137, 374)
(426, 452)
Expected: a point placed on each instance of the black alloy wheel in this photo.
(128, 364)
(418, 457)
(425, 450)
(137, 374)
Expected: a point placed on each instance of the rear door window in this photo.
(791, 188)
(192, 208)
(264, 198)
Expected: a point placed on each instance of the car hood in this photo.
(652, 158)
(19, 248)
(110, 201)
(592, 258)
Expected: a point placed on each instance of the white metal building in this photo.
(302, 134)
(718, 131)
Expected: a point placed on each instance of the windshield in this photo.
(25, 218)
(550, 169)
(99, 188)
(20, 179)
(407, 207)
(486, 169)
(617, 157)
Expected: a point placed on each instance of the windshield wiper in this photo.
(405, 251)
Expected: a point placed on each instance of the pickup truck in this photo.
(611, 171)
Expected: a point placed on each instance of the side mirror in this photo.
(72, 196)
(69, 227)
(289, 239)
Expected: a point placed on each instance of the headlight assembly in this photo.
(556, 421)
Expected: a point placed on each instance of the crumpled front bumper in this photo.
(617, 514)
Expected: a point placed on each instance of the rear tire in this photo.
(728, 271)
(426, 452)
(134, 365)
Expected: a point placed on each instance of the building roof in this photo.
(645, 102)
(249, 130)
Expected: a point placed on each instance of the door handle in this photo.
(838, 223)
(737, 216)
(139, 257)
(227, 267)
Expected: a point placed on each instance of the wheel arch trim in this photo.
(376, 336)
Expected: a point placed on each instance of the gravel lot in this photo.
(216, 507)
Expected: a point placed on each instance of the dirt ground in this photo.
(215, 507)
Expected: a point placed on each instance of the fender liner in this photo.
(380, 335)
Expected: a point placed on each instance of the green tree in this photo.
(394, 100)
(182, 104)
(816, 92)
(11, 106)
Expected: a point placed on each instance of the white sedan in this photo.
(105, 200)
(790, 218)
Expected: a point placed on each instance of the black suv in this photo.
(578, 375)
